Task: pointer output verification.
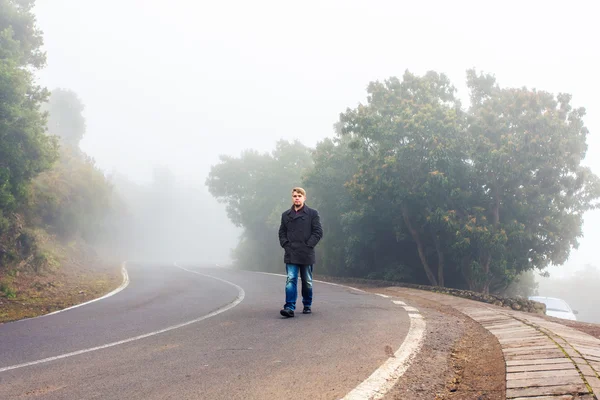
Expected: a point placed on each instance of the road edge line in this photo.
(238, 300)
(314, 280)
(123, 285)
(379, 383)
(387, 375)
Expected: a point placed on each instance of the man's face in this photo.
(298, 199)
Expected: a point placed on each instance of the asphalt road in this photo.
(222, 338)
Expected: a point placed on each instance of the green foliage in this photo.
(410, 158)
(21, 39)
(334, 165)
(26, 249)
(44, 260)
(72, 199)
(7, 290)
(256, 189)
(528, 146)
(415, 187)
(69, 197)
(24, 149)
(487, 193)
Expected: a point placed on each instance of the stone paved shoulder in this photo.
(544, 359)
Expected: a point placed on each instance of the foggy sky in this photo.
(177, 83)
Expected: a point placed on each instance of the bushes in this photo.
(7, 290)
(72, 198)
(69, 197)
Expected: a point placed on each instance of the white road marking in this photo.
(385, 296)
(238, 300)
(344, 286)
(386, 376)
(124, 284)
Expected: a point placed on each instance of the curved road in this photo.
(201, 333)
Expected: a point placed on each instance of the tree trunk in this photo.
(496, 205)
(417, 239)
(440, 255)
(465, 267)
(496, 219)
(486, 286)
(488, 277)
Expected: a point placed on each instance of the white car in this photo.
(556, 307)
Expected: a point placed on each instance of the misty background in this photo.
(167, 89)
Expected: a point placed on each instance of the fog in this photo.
(175, 85)
(169, 220)
(579, 290)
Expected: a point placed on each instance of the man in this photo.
(299, 233)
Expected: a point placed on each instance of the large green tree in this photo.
(415, 187)
(526, 157)
(25, 150)
(408, 140)
(482, 195)
(360, 240)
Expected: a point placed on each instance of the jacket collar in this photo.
(304, 210)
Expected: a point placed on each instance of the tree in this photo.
(71, 199)
(24, 149)
(334, 165)
(480, 195)
(527, 151)
(414, 187)
(411, 159)
(65, 118)
(360, 241)
(256, 189)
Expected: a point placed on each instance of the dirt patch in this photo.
(478, 365)
(73, 283)
(460, 360)
(431, 370)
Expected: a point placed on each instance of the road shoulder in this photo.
(541, 357)
(72, 284)
(449, 366)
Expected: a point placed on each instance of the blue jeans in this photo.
(291, 285)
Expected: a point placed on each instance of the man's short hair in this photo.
(299, 190)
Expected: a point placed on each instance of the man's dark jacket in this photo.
(299, 233)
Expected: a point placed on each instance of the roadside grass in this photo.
(58, 276)
(7, 290)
